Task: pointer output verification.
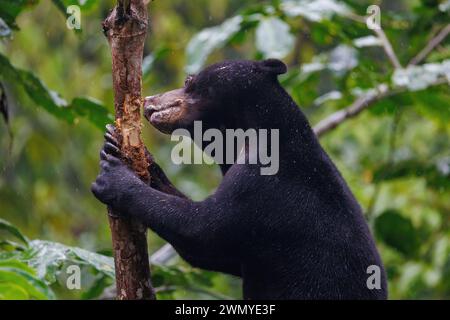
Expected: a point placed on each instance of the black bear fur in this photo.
(298, 234)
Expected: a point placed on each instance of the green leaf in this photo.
(339, 61)
(11, 263)
(10, 9)
(314, 10)
(5, 30)
(207, 40)
(37, 91)
(421, 77)
(12, 230)
(45, 98)
(49, 257)
(11, 291)
(433, 103)
(368, 41)
(274, 39)
(31, 285)
(83, 4)
(445, 6)
(385, 106)
(398, 232)
(167, 279)
(97, 288)
(149, 61)
(47, 260)
(436, 174)
(93, 111)
(329, 96)
(16, 274)
(10, 246)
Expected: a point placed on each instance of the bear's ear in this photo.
(273, 66)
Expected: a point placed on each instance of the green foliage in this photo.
(398, 232)
(18, 282)
(394, 155)
(421, 77)
(203, 44)
(50, 100)
(27, 272)
(273, 38)
(9, 10)
(83, 4)
(315, 10)
(149, 61)
(93, 111)
(436, 174)
(273, 35)
(7, 227)
(5, 30)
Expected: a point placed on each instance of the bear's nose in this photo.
(150, 104)
(149, 101)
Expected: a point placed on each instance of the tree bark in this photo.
(126, 29)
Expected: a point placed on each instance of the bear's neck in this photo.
(275, 109)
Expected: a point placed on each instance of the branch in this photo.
(126, 28)
(434, 42)
(163, 255)
(382, 90)
(388, 48)
(383, 38)
(353, 110)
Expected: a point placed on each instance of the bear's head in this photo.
(211, 94)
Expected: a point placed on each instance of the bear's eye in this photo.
(188, 81)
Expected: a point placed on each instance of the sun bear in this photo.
(296, 234)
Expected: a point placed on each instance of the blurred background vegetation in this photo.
(56, 96)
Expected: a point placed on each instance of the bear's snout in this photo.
(150, 102)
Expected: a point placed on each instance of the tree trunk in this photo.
(126, 29)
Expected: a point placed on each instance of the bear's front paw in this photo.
(115, 180)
